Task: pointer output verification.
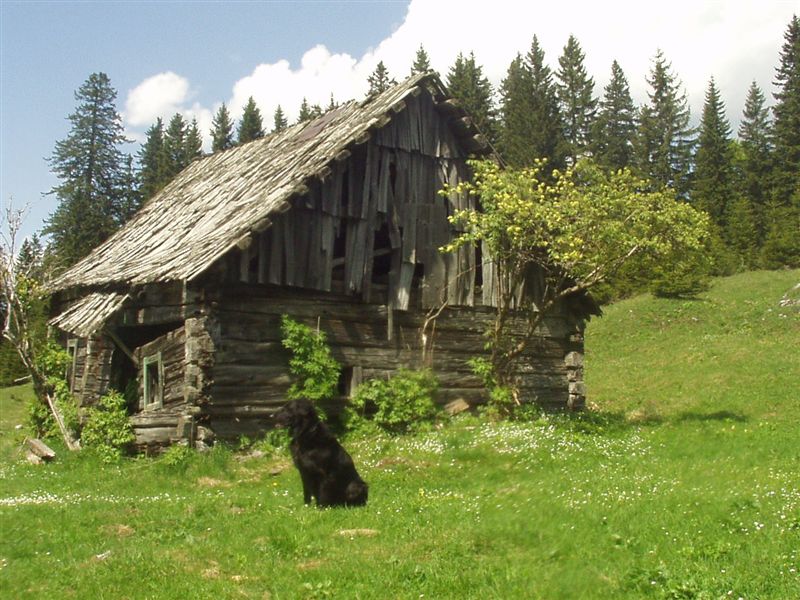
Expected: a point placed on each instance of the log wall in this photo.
(250, 377)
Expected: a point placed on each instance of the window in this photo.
(153, 381)
(72, 366)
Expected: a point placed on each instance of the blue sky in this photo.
(164, 57)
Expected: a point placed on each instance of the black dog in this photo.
(327, 471)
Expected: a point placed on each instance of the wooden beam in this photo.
(122, 346)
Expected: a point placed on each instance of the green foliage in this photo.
(614, 130)
(307, 111)
(665, 140)
(531, 121)
(578, 106)
(91, 169)
(177, 455)
(221, 130)
(175, 147)
(53, 361)
(107, 430)
(422, 63)
(397, 404)
(251, 127)
(786, 126)
(577, 231)
(467, 84)
(380, 80)
(502, 403)
(153, 162)
(194, 143)
(712, 184)
(782, 243)
(313, 368)
(280, 122)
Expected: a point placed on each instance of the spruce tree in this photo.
(578, 106)
(194, 142)
(614, 130)
(152, 162)
(467, 84)
(251, 126)
(754, 162)
(422, 63)
(786, 124)
(712, 187)
(782, 242)
(305, 113)
(279, 120)
(332, 104)
(221, 130)
(380, 81)
(515, 127)
(665, 140)
(547, 139)
(91, 169)
(175, 147)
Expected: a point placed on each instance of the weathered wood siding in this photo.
(380, 202)
(250, 371)
(159, 424)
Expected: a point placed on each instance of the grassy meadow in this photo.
(683, 481)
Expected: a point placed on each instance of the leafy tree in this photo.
(422, 63)
(712, 187)
(665, 140)
(194, 143)
(578, 106)
(380, 81)
(279, 120)
(575, 229)
(90, 166)
(614, 130)
(755, 162)
(153, 162)
(221, 130)
(786, 126)
(467, 84)
(251, 126)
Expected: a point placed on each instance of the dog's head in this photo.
(296, 416)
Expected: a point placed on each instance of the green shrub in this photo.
(108, 430)
(52, 361)
(313, 368)
(396, 404)
(501, 398)
(177, 455)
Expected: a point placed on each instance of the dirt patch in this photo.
(310, 565)
(119, 530)
(211, 482)
(352, 533)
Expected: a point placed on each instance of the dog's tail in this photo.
(356, 493)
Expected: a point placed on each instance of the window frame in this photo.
(147, 365)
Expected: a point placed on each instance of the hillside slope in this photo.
(733, 350)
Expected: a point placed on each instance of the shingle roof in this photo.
(218, 200)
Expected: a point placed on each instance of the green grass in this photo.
(683, 483)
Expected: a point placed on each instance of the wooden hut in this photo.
(336, 222)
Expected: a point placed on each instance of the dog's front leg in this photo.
(308, 487)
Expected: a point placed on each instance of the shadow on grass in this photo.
(720, 415)
(610, 422)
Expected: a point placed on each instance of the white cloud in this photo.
(735, 42)
(161, 95)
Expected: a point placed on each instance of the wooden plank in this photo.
(264, 244)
